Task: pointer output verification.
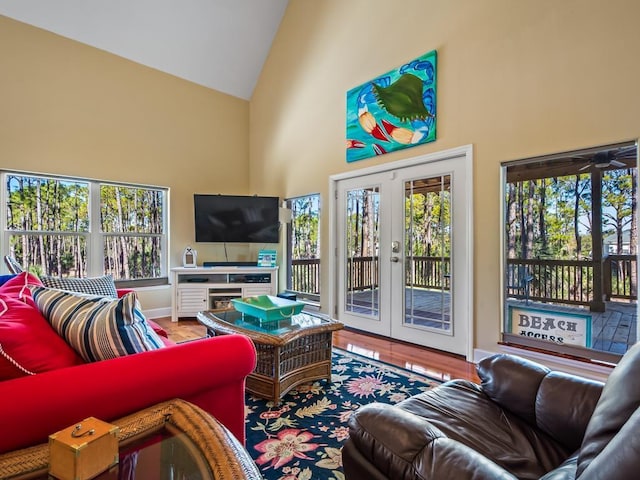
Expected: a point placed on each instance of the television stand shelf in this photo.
(212, 288)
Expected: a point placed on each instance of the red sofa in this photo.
(209, 373)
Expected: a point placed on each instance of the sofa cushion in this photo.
(5, 278)
(28, 339)
(386, 442)
(18, 287)
(158, 329)
(99, 286)
(564, 406)
(566, 471)
(98, 328)
(512, 382)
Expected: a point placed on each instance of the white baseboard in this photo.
(157, 312)
(587, 370)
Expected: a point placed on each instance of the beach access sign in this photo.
(555, 326)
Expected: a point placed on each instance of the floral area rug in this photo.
(301, 437)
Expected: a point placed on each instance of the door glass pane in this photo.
(427, 243)
(362, 243)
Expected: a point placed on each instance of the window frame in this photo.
(95, 236)
(508, 338)
(304, 296)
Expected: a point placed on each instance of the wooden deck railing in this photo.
(571, 281)
(564, 281)
(305, 275)
(620, 273)
(363, 273)
(429, 272)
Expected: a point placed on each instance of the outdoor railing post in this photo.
(597, 303)
(606, 280)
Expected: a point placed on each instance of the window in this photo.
(303, 254)
(570, 258)
(78, 228)
(133, 226)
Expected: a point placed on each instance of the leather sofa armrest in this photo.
(399, 444)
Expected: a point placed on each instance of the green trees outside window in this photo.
(304, 245)
(133, 227)
(78, 228)
(571, 244)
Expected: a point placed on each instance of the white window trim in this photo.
(310, 298)
(95, 240)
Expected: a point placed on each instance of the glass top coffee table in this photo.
(290, 352)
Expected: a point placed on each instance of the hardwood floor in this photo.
(440, 365)
(183, 330)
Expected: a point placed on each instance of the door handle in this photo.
(395, 259)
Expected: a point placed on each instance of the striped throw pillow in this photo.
(98, 328)
(103, 286)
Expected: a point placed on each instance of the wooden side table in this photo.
(170, 439)
(290, 352)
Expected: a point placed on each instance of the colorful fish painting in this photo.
(393, 111)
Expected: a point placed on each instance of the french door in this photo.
(403, 237)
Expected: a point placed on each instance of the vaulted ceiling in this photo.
(220, 44)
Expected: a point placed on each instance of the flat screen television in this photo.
(236, 219)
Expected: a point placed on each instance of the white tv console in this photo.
(206, 288)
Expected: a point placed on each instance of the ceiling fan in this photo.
(610, 158)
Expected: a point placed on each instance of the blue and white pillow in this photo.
(103, 286)
(98, 328)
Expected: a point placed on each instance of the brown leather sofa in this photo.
(522, 422)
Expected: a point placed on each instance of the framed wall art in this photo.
(393, 111)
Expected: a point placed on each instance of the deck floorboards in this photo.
(613, 330)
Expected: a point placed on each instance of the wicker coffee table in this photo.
(290, 352)
(173, 439)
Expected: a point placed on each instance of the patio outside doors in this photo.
(403, 263)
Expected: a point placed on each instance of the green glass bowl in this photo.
(267, 307)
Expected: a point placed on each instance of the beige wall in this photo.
(515, 79)
(67, 108)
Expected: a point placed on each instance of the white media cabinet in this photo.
(207, 288)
